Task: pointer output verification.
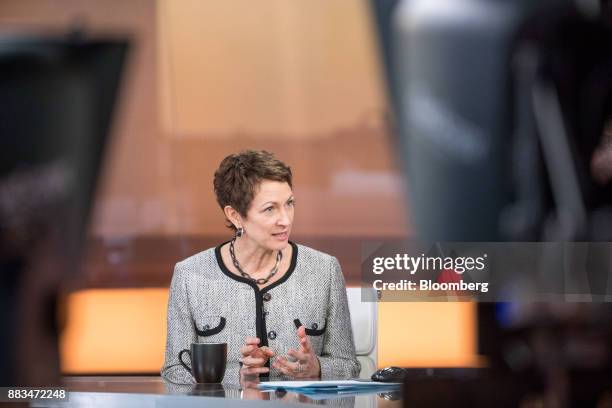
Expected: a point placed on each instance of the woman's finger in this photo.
(300, 356)
(253, 361)
(282, 367)
(247, 350)
(251, 340)
(267, 351)
(304, 340)
(287, 367)
(259, 353)
(253, 370)
(305, 345)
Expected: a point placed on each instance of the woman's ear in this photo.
(233, 216)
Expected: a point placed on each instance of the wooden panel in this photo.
(297, 69)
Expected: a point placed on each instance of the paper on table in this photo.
(326, 385)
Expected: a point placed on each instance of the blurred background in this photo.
(205, 79)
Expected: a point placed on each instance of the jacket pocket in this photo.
(313, 326)
(209, 325)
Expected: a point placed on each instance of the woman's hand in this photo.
(306, 364)
(254, 358)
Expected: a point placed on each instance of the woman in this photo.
(281, 307)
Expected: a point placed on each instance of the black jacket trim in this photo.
(311, 332)
(249, 282)
(260, 321)
(210, 332)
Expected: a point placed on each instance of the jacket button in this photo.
(272, 335)
(206, 327)
(267, 296)
(314, 326)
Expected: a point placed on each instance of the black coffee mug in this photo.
(208, 361)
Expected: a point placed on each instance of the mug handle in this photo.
(180, 357)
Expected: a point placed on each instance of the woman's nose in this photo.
(285, 218)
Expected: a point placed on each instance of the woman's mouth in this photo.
(282, 236)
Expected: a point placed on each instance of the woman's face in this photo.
(270, 217)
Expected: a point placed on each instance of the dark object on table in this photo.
(389, 374)
(56, 100)
(208, 361)
(391, 395)
(280, 392)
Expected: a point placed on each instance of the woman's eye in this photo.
(291, 202)
(269, 209)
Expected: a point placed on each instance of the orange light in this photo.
(114, 331)
(124, 331)
(427, 334)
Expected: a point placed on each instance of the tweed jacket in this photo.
(208, 303)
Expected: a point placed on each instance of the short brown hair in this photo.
(239, 175)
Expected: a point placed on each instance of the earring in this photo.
(239, 232)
